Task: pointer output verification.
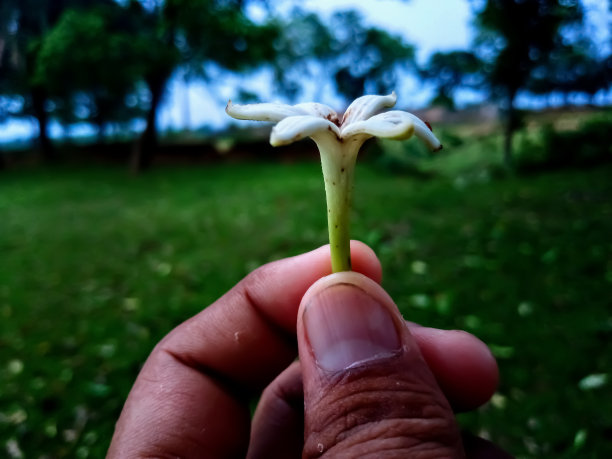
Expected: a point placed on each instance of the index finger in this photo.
(190, 397)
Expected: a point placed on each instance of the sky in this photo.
(425, 23)
(430, 25)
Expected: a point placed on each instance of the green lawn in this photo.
(96, 266)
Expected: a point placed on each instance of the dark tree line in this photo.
(536, 46)
(86, 60)
(108, 62)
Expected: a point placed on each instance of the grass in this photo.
(96, 267)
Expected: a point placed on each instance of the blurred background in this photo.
(129, 200)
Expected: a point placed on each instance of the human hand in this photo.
(367, 384)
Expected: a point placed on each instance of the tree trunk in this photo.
(186, 106)
(145, 146)
(509, 130)
(100, 138)
(46, 147)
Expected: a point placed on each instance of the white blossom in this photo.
(361, 121)
(339, 141)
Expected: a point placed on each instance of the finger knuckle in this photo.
(381, 416)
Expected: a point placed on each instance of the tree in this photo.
(354, 57)
(99, 50)
(367, 57)
(451, 70)
(303, 48)
(92, 60)
(202, 32)
(515, 38)
(23, 24)
(572, 68)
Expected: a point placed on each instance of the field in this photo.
(96, 266)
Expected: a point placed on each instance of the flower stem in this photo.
(338, 170)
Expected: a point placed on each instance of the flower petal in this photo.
(365, 106)
(295, 128)
(396, 125)
(277, 112)
(424, 132)
(261, 112)
(392, 125)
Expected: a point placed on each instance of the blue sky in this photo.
(429, 25)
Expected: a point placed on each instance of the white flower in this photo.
(339, 141)
(361, 121)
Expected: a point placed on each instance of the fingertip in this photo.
(356, 279)
(346, 315)
(365, 261)
(361, 367)
(277, 428)
(280, 285)
(463, 365)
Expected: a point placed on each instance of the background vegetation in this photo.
(96, 267)
(505, 233)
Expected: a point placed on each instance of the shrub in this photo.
(398, 158)
(587, 146)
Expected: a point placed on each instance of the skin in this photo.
(191, 398)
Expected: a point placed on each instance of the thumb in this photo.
(367, 390)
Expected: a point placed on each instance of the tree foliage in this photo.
(451, 70)
(521, 35)
(24, 25)
(219, 31)
(92, 60)
(355, 57)
(516, 37)
(90, 56)
(201, 32)
(110, 61)
(89, 60)
(573, 68)
(367, 57)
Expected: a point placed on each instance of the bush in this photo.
(407, 157)
(398, 158)
(585, 147)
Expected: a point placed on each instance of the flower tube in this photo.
(339, 141)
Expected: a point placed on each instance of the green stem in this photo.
(338, 170)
